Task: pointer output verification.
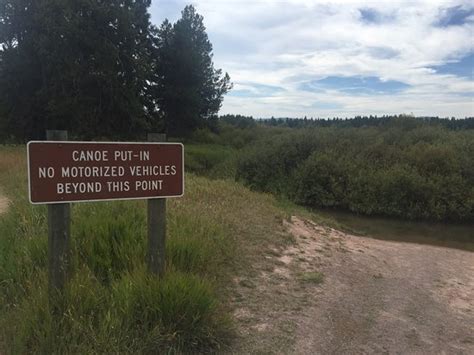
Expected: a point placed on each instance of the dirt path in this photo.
(376, 297)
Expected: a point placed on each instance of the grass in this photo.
(111, 304)
(212, 160)
(313, 277)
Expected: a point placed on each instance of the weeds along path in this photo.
(375, 296)
(3, 203)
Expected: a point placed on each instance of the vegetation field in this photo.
(400, 167)
(403, 168)
(110, 304)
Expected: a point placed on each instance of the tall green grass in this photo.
(212, 160)
(110, 304)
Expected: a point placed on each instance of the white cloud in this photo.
(286, 43)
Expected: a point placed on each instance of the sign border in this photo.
(105, 199)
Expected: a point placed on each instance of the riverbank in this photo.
(449, 235)
(332, 292)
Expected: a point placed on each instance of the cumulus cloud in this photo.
(344, 58)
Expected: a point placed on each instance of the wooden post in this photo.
(59, 220)
(156, 256)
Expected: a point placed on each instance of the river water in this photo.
(447, 235)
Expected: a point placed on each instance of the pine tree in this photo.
(81, 65)
(190, 90)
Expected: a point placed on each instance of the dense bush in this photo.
(404, 169)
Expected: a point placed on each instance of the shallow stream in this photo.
(448, 235)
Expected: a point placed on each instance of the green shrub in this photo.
(203, 136)
(403, 169)
(201, 159)
(321, 180)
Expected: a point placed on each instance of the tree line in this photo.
(357, 121)
(100, 69)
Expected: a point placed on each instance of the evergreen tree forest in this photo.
(101, 69)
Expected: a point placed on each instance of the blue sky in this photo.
(342, 58)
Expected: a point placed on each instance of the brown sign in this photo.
(89, 171)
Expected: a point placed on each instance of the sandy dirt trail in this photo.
(377, 297)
